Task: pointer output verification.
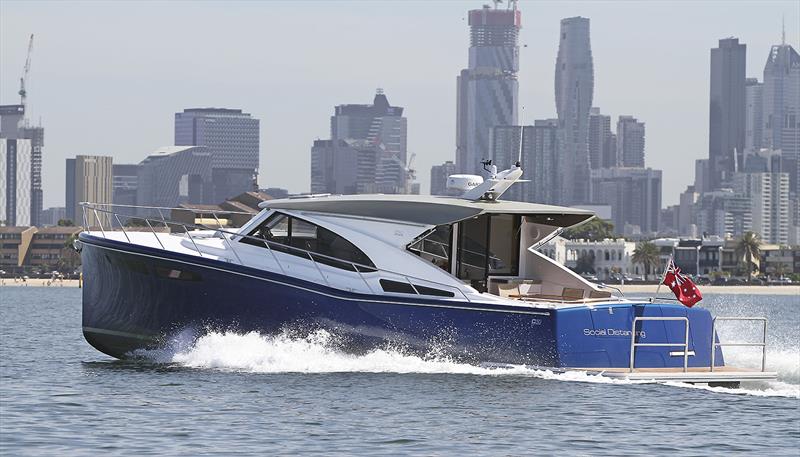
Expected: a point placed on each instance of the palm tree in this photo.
(749, 246)
(647, 254)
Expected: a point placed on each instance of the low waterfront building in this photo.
(37, 247)
(604, 259)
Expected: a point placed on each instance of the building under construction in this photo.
(22, 145)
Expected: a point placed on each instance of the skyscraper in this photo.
(439, 174)
(634, 195)
(602, 141)
(781, 111)
(574, 87)
(69, 193)
(15, 125)
(15, 184)
(539, 159)
(488, 89)
(630, 142)
(754, 115)
(769, 202)
(344, 167)
(92, 182)
(232, 138)
(366, 152)
(726, 111)
(378, 123)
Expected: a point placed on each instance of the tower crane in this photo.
(24, 79)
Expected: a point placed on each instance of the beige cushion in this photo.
(572, 294)
(599, 294)
(527, 288)
(507, 289)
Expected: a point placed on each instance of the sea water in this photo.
(230, 393)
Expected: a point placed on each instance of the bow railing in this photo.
(102, 216)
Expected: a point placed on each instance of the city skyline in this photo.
(169, 78)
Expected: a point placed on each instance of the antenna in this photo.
(783, 30)
(521, 136)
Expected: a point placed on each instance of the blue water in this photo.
(251, 394)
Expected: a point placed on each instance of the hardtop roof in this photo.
(427, 209)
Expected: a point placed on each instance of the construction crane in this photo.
(24, 79)
(411, 173)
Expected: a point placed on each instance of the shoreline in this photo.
(711, 290)
(628, 288)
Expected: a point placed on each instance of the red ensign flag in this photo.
(684, 289)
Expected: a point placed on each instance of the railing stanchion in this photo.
(190, 237)
(411, 284)
(97, 218)
(363, 278)
(318, 268)
(85, 219)
(154, 233)
(164, 220)
(122, 227)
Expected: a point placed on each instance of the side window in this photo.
(298, 237)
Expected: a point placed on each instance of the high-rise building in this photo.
(344, 167)
(724, 213)
(378, 123)
(14, 125)
(634, 195)
(366, 152)
(769, 203)
(439, 174)
(232, 138)
(602, 141)
(781, 112)
(51, 216)
(92, 182)
(686, 224)
(538, 156)
(69, 193)
(488, 89)
(726, 111)
(15, 184)
(125, 183)
(630, 142)
(702, 180)
(174, 175)
(574, 86)
(754, 115)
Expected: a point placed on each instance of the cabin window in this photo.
(435, 246)
(488, 245)
(503, 244)
(301, 238)
(406, 288)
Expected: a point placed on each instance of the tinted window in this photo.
(283, 230)
(435, 247)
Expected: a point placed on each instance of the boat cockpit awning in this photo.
(429, 210)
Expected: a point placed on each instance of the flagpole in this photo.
(666, 269)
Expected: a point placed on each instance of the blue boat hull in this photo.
(135, 297)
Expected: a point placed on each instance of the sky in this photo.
(107, 77)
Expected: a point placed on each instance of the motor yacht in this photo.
(461, 275)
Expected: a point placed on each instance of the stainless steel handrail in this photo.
(358, 268)
(685, 344)
(762, 344)
(198, 210)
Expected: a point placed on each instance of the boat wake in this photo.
(318, 353)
